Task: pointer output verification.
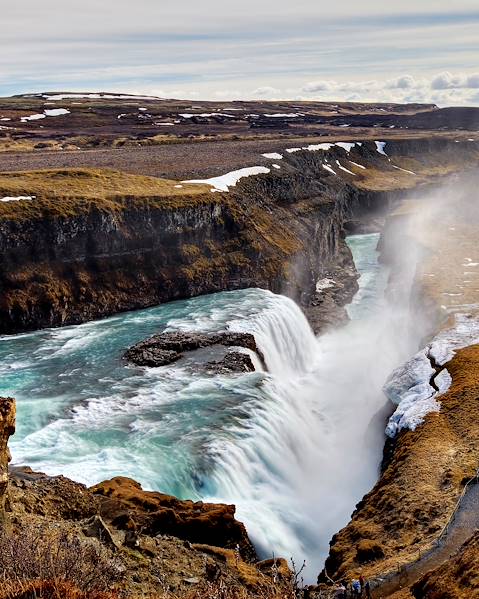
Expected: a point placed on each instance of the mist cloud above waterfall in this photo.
(231, 50)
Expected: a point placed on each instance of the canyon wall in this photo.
(7, 428)
(282, 231)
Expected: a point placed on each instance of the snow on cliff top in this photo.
(16, 198)
(224, 182)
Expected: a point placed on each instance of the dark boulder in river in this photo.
(169, 347)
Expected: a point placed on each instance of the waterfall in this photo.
(283, 335)
(313, 441)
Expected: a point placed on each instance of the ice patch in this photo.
(443, 381)
(273, 156)
(224, 182)
(409, 387)
(380, 145)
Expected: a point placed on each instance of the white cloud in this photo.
(404, 82)
(447, 80)
(443, 89)
(265, 92)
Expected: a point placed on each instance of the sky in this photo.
(369, 50)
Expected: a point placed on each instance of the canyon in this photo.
(92, 243)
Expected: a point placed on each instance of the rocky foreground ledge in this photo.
(138, 542)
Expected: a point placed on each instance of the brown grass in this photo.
(66, 192)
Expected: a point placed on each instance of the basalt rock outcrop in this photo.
(7, 428)
(69, 257)
(124, 504)
(169, 347)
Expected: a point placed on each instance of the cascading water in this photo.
(294, 448)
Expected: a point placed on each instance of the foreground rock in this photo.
(125, 505)
(136, 542)
(7, 428)
(167, 348)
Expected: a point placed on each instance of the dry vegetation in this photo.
(74, 191)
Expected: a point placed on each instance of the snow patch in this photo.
(380, 145)
(345, 169)
(325, 283)
(16, 198)
(403, 169)
(281, 115)
(345, 145)
(47, 112)
(275, 166)
(99, 96)
(56, 111)
(328, 168)
(189, 115)
(33, 117)
(409, 385)
(224, 182)
(273, 156)
(358, 165)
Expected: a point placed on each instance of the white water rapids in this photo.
(294, 448)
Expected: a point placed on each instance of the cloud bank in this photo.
(372, 50)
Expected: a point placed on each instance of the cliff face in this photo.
(7, 428)
(282, 231)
